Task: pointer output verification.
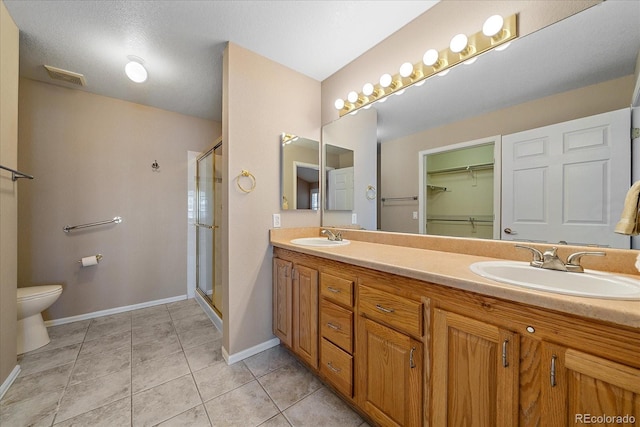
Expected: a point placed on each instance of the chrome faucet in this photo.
(550, 260)
(337, 237)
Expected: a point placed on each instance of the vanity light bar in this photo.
(410, 74)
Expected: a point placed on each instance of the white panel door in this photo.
(340, 189)
(567, 182)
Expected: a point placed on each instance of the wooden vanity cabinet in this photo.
(390, 357)
(283, 301)
(475, 373)
(295, 308)
(406, 352)
(578, 387)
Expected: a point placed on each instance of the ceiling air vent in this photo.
(66, 76)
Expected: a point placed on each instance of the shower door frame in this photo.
(214, 229)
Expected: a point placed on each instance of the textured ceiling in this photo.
(181, 42)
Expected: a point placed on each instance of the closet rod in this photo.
(16, 175)
(469, 168)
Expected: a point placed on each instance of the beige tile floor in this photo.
(163, 366)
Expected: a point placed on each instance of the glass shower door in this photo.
(208, 181)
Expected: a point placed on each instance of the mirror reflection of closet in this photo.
(339, 175)
(458, 190)
(300, 173)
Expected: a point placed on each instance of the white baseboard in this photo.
(209, 311)
(241, 355)
(115, 310)
(10, 379)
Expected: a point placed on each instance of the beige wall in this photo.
(261, 99)
(91, 156)
(9, 41)
(402, 154)
(434, 29)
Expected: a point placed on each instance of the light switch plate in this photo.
(415, 215)
(354, 218)
(276, 220)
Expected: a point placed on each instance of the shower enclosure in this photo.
(209, 210)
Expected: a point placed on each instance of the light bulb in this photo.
(443, 73)
(352, 96)
(470, 61)
(493, 25)
(385, 80)
(406, 69)
(430, 57)
(339, 104)
(458, 43)
(136, 72)
(367, 89)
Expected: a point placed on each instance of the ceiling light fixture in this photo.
(135, 70)
(497, 32)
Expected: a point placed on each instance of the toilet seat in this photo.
(33, 292)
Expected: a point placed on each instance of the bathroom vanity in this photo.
(403, 330)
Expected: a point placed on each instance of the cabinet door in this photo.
(305, 314)
(578, 388)
(475, 373)
(391, 381)
(282, 301)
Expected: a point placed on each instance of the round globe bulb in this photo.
(430, 57)
(385, 80)
(458, 43)
(339, 104)
(406, 69)
(352, 96)
(367, 89)
(493, 25)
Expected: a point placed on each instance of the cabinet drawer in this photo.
(336, 289)
(399, 312)
(336, 325)
(337, 367)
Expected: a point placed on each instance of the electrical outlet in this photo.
(276, 220)
(415, 215)
(354, 218)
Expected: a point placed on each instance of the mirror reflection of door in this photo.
(209, 199)
(339, 175)
(306, 186)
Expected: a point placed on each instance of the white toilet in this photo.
(32, 301)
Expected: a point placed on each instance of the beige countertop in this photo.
(452, 269)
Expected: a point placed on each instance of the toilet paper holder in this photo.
(98, 258)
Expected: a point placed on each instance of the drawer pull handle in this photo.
(505, 362)
(412, 364)
(334, 290)
(336, 370)
(384, 310)
(553, 370)
(334, 327)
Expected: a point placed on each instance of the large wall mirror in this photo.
(300, 173)
(502, 93)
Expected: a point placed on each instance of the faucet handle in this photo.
(537, 255)
(573, 260)
(339, 236)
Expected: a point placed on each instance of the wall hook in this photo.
(155, 166)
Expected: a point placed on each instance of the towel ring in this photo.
(371, 192)
(246, 173)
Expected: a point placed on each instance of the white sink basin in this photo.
(322, 242)
(591, 283)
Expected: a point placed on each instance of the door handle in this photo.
(509, 231)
